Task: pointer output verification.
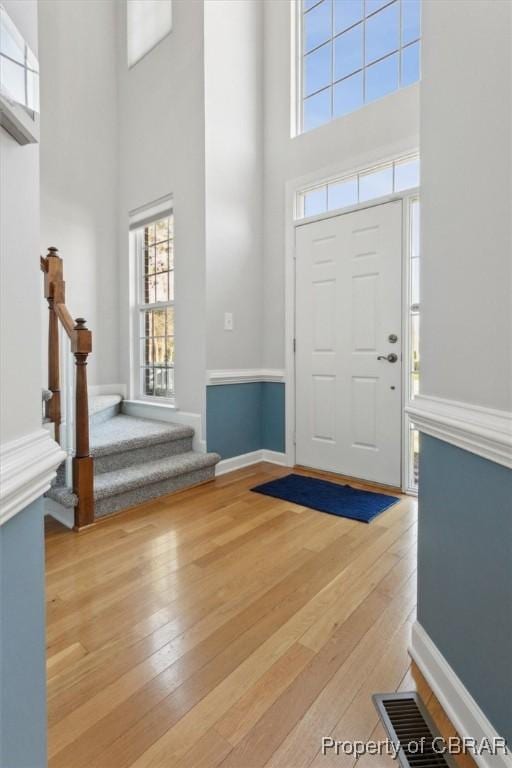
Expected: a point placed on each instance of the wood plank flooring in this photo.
(221, 628)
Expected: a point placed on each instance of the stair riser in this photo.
(128, 499)
(104, 415)
(114, 461)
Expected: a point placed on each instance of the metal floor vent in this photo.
(409, 724)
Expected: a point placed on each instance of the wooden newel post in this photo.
(83, 480)
(54, 293)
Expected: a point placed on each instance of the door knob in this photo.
(391, 358)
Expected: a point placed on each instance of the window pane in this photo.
(309, 4)
(315, 201)
(415, 229)
(407, 175)
(162, 287)
(147, 380)
(159, 316)
(11, 41)
(170, 321)
(317, 25)
(149, 233)
(348, 95)
(318, 69)
(382, 78)
(376, 184)
(13, 80)
(149, 260)
(171, 285)
(382, 33)
(317, 110)
(415, 281)
(348, 52)
(162, 257)
(149, 289)
(146, 347)
(346, 13)
(411, 64)
(160, 346)
(162, 230)
(169, 350)
(164, 381)
(373, 5)
(411, 13)
(342, 194)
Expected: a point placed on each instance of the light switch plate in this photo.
(228, 321)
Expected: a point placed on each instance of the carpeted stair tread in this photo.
(123, 433)
(99, 403)
(62, 495)
(131, 478)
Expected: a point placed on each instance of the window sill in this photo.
(168, 405)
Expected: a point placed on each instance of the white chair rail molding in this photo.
(484, 431)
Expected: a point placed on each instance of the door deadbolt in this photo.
(391, 358)
(392, 338)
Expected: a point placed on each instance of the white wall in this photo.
(162, 152)
(234, 180)
(466, 305)
(379, 130)
(79, 164)
(20, 283)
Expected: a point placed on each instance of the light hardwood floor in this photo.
(219, 627)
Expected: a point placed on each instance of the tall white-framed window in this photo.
(152, 242)
(352, 52)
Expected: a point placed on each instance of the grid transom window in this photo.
(155, 246)
(353, 52)
(369, 184)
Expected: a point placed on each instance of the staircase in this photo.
(135, 459)
(114, 460)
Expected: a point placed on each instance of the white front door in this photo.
(348, 313)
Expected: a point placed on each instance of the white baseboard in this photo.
(27, 467)
(463, 711)
(163, 412)
(247, 459)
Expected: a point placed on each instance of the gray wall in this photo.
(465, 571)
(22, 641)
(79, 166)
(465, 502)
(466, 155)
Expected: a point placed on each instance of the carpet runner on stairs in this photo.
(136, 459)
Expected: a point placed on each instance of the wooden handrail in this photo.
(81, 346)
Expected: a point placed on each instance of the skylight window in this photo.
(354, 52)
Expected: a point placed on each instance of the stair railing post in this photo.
(54, 291)
(83, 480)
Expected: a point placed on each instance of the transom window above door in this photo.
(353, 52)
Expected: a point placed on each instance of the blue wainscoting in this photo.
(272, 417)
(22, 640)
(241, 418)
(465, 571)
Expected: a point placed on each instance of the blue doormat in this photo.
(340, 500)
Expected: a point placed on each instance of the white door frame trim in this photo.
(291, 224)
